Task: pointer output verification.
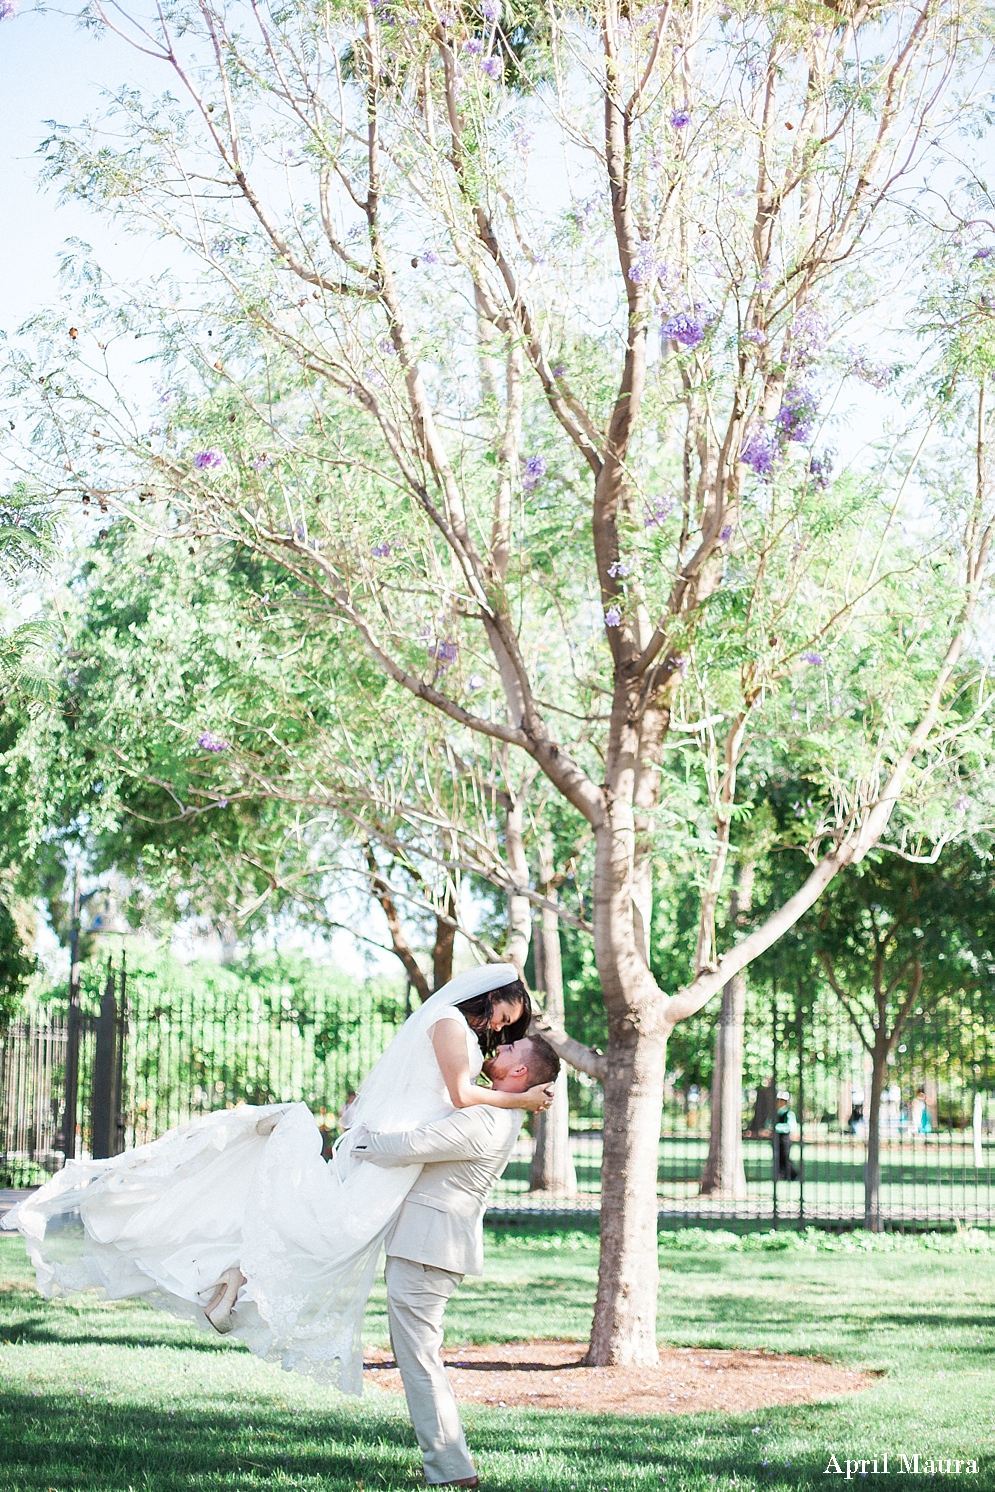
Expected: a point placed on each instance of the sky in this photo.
(50, 69)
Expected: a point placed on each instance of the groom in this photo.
(439, 1237)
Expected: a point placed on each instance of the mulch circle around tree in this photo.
(689, 1380)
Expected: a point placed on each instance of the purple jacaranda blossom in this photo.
(474, 46)
(381, 550)
(680, 119)
(983, 253)
(807, 337)
(445, 651)
(962, 805)
(474, 682)
(429, 257)
(208, 460)
(620, 568)
(726, 533)
(387, 347)
(816, 659)
(492, 67)
(222, 802)
(761, 451)
(755, 336)
(585, 213)
(260, 462)
(166, 395)
(374, 376)
(491, 10)
(613, 616)
(535, 470)
(522, 140)
(661, 511)
(8, 10)
(687, 330)
(797, 413)
(876, 374)
(208, 741)
(560, 371)
(220, 248)
(821, 470)
(646, 268)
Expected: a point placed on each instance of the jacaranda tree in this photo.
(515, 337)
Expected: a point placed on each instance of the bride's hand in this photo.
(539, 1098)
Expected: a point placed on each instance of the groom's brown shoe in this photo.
(467, 1481)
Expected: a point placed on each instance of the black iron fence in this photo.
(148, 1061)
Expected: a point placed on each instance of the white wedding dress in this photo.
(163, 1221)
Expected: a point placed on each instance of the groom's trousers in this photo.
(417, 1296)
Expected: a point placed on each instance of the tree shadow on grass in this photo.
(53, 1441)
(42, 1334)
(56, 1443)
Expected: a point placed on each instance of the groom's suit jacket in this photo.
(441, 1222)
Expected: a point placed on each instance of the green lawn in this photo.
(114, 1398)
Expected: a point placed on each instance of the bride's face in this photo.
(505, 1013)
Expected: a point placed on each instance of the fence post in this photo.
(104, 1102)
(72, 1032)
(799, 1013)
(773, 1122)
(120, 1103)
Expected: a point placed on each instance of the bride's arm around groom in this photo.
(437, 1238)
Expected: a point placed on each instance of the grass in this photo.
(110, 1397)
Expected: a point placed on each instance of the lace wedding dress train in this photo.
(163, 1221)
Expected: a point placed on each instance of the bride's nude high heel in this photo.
(219, 1311)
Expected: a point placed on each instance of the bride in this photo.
(235, 1221)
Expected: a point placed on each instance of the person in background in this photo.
(921, 1122)
(785, 1128)
(345, 1113)
(327, 1129)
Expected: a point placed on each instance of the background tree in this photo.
(894, 942)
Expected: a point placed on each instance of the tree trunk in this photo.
(724, 1174)
(552, 1162)
(623, 1331)
(519, 906)
(872, 1165)
(445, 942)
(624, 1327)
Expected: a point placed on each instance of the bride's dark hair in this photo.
(478, 1010)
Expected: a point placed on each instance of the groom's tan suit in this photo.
(438, 1237)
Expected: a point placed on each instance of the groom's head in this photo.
(522, 1064)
